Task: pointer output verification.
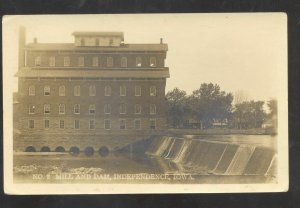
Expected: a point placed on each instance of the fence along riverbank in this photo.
(218, 158)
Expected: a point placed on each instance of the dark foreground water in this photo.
(127, 167)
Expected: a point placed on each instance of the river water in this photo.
(128, 167)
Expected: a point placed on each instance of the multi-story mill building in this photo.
(95, 92)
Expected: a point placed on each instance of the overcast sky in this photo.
(237, 51)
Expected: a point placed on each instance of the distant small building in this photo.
(193, 123)
(220, 123)
(270, 125)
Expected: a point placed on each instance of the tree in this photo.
(249, 114)
(240, 96)
(272, 105)
(209, 102)
(272, 116)
(176, 102)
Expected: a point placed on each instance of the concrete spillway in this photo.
(218, 158)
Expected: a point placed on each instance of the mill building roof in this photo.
(71, 47)
(99, 34)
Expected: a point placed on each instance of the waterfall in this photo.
(214, 170)
(194, 153)
(214, 157)
(215, 153)
(240, 160)
(163, 146)
(271, 171)
(259, 161)
(182, 152)
(226, 159)
(170, 149)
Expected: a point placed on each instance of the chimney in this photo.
(161, 41)
(35, 40)
(22, 42)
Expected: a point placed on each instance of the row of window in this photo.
(92, 109)
(97, 42)
(92, 90)
(96, 62)
(92, 124)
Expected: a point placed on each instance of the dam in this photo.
(205, 156)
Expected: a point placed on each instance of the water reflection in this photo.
(112, 163)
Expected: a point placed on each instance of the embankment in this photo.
(214, 157)
(221, 131)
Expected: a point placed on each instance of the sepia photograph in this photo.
(145, 103)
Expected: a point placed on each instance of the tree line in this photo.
(209, 107)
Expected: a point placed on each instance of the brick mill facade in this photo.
(95, 92)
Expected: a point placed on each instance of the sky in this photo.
(240, 52)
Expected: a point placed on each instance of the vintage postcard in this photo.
(145, 103)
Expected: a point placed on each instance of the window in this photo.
(122, 90)
(46, 108)
(92, 109)
(81, 61)
(152, 109)
(110, 62)
(76, 109)
(31, 109)
(122, 124)
(38, 61)
(46, 90)
(137, 109)
(31, 90)
(92, 124)
(123, 62)
(62, 90)
(52, 61)
(107, 124)
(47, 124)
(97, 43)
(138, 61)
(82, 42)
(137, 124)
(76, 124)
(66, 61)
(61, 109)
(122, 108)
(137, 91)
(107, 109)
(77, 90)
(152, 124)
(95, 61)
(92, 90)
(152, 91)
(31, 124)
(61, 124)
(107, 91)
(152, 62)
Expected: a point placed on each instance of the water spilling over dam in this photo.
(216, 157)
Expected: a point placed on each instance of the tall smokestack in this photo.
(22, 42)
